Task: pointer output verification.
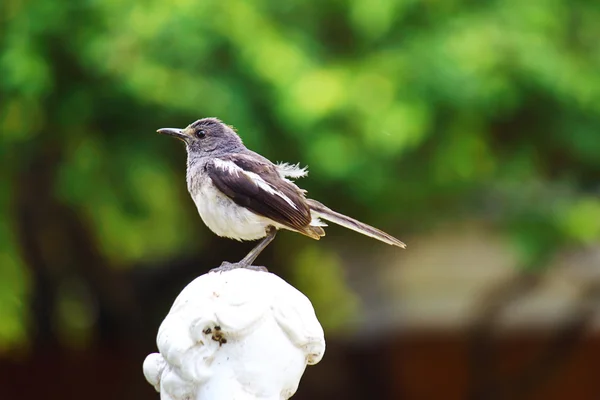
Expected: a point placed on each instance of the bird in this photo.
(244, 196)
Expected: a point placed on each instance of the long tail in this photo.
(350, 223)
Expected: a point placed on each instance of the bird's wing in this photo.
(255, 183)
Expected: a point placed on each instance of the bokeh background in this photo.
(468, 129)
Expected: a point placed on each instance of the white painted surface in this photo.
(270, 334)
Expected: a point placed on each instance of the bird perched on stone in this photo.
(242, 195)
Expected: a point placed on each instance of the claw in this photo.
(227, 266)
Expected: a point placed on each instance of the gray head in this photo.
(207, 136)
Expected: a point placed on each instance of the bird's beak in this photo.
(178, 133)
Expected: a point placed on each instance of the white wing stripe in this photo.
(231, 168)
(260, 182)
(227, 166)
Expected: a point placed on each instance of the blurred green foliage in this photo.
(407, 112)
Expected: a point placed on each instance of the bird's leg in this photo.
(247, 261)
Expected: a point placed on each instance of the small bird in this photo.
(242, 195)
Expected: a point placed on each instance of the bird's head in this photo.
(206, 135)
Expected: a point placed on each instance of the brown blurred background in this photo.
(470, 130)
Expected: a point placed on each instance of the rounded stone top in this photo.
(233, 333)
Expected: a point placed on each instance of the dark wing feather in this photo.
(243, 190)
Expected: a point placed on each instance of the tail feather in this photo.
(314, 232)
(350, 223)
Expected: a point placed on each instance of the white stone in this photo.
(240, 335)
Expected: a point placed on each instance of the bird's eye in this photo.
(200, 133)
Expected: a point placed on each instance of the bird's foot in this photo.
(227, 266)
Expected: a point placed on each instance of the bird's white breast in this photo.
(225, 218)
